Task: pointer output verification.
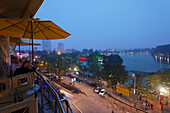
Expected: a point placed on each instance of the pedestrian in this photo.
(152, 106)
(162, 107)
(134, 104)
(140, 98)
(144, 104)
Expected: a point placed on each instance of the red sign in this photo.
(82, 59)
(163, 100)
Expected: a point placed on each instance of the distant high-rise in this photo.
(46, 45)
(60, 46)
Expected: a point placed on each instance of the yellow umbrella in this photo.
(21, 42)
(31, 28)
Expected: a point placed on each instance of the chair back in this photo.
(23, 81)
(5, 86)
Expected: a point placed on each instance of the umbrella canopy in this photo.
(21, 42)
(31, 28)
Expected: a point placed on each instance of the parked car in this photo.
(66, 74)
(97, 89)
(55, 76)
(102, 92)
(51, 76)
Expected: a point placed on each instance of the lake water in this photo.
(142, 62)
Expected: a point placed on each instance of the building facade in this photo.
(46, 45)
(60, 46)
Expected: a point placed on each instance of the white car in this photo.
(97, 89)
(61, 78)
(55, 76)
(102, 92)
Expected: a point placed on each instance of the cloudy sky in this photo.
(102, 24)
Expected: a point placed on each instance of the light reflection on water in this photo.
(143, 62)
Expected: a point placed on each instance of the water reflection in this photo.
(144, 62)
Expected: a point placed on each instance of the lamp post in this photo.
(134, 82)
(163, 96)
(134, 88)
(75, 69)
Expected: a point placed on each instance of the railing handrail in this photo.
(63, 99)
(52, 89)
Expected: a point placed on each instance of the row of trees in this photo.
(154, 82)
(111, 70)
(158, 80)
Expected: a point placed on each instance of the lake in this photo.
(142, 62)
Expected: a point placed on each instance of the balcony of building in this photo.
(31, 93)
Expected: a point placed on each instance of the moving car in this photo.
(102, 92)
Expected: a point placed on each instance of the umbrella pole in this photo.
(14, 48)
(19, 50)
(32, 43)
(32, 51)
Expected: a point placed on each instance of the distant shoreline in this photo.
(140, 72)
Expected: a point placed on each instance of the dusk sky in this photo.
(102, 24)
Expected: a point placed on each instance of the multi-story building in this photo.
(46, 45)
(60, 46)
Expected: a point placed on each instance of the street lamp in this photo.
(134, 88)
(163, 90)
(134, 82)
(75, 69)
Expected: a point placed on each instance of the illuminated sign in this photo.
(82, 59)
(123, 91)
(163, 100)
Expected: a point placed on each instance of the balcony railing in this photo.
(58, 103)
(21, 90)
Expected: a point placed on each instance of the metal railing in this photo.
(58, 103)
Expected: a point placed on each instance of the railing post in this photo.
(67, 105)
(56, 109)
(42, 93)
(34, 80)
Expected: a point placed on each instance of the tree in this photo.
(139, 80)
(161, 78)
(114, 73)
(90, 51)
(85, 50)
(113, 59)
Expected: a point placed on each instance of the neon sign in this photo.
(82, 59)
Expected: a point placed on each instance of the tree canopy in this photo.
(161, 78)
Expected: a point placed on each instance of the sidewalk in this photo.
(125, 100)
(130, 101)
